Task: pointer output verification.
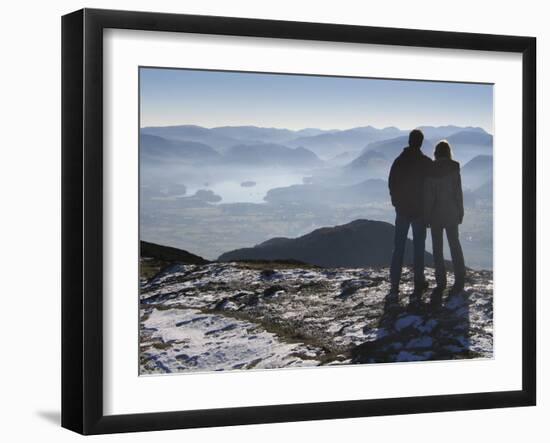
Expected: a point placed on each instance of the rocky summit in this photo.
(245, 315)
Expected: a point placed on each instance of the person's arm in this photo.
(459, 197)
(392, 181)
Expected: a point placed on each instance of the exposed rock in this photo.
(228, 316)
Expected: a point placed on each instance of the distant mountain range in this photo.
(365, 151)
(377, 157)
(356, 244)
(159, 149)
(436, 133)
(468, 144)
(477, 172)
(469, 137)
(191, 133)
(270, 154)
(223, 137)
(256, 134)
(156, 149)
(334, 143)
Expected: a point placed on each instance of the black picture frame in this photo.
(82, 219)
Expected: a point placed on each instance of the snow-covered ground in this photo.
(227, 316)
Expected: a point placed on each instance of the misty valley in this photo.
(212, 191)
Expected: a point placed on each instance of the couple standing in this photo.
(426, 193)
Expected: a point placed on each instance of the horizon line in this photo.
(314, 127)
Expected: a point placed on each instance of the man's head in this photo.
(416, 137)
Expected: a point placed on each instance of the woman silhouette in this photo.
(444, 210)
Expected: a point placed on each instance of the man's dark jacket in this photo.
(443, 199)
(406, 182)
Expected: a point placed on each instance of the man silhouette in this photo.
(406, 182)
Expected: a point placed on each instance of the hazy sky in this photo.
(214, 98)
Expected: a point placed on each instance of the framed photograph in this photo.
(269, 221)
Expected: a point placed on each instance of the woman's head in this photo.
(443, 150)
